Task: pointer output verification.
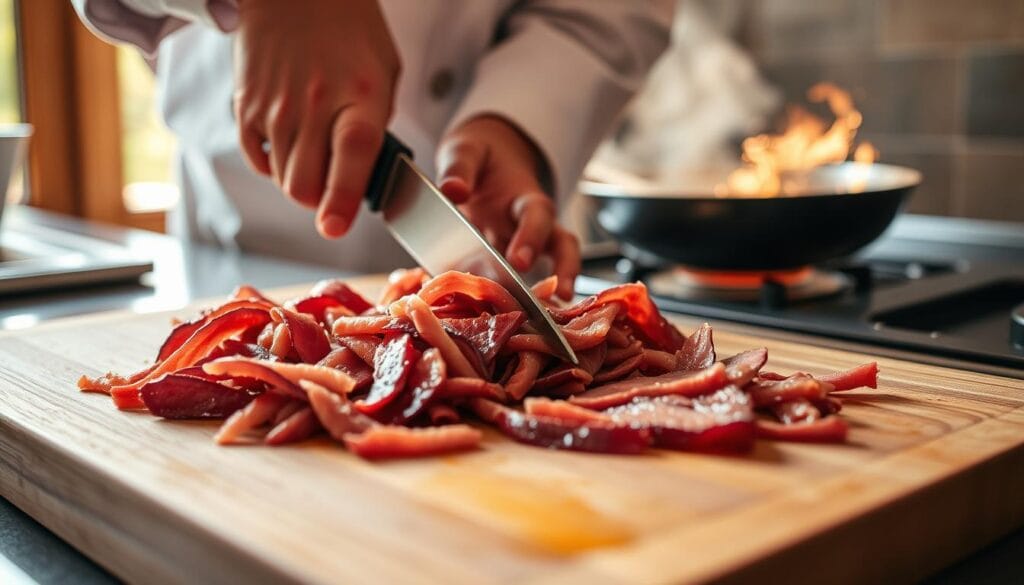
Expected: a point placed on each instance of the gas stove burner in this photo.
(946, 291)
(1017, 327)
(771, 289)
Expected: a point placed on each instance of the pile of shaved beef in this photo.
(396, 378)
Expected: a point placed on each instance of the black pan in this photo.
(820, 221)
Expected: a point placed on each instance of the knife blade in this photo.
(440, 238)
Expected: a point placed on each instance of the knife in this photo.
(440, 238)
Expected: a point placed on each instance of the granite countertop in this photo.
(29, 553)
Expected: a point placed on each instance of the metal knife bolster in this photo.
(440, 238)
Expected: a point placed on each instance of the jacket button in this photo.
(441, 84)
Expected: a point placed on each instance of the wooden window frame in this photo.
(70, 95)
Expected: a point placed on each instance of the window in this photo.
(95, 126)
(10, 99)
(147, 146)
(10, 85)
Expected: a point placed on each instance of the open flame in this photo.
(806, 142)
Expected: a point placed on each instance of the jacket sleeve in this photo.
(144, 23)
(562, 70)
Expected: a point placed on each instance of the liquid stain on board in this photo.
(543, 514)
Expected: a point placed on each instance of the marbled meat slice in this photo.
(563, 410)
(261, 410)
(528, 366)
(554, 433)
(487, 333)
(335, 413)
(392, 366)
(640, 311)
(392, 441)
(181, 332)
(297, 426)
(590, 328)
(698, 351)
(281, 376)
(474, 287)
(722, 421)
(797, 386)
(343, 293)
(307, 336)
(830, 429)
(403, 282)
(862, 376)
(344, 359)
(743, 367)
(679, 383)
(178, 396)
(423, 388)
(199, 345)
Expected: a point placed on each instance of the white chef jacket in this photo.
(561, 70)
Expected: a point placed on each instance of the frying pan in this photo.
(818, 218)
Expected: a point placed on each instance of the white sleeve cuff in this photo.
(115, 22)
(144, 23)
(221, 14)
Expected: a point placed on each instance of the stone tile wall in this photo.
(940, 83)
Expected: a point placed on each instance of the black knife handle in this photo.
(383, 170)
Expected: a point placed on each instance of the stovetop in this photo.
(941, 290)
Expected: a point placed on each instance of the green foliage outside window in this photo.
(10, 102)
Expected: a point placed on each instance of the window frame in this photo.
(70, 95)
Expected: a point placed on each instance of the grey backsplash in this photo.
(940, 84)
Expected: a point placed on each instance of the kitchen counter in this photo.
(182, 274)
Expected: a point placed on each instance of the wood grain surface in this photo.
(934, 469)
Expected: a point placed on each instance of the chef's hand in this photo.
(317, 84)
(489, 167)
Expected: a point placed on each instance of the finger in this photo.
(306, 170)
(281, 134)
(535, 217)
(491, 236)
(251, 140)
(565, 251)
(460, 161)
(494, 235)
(356, 138)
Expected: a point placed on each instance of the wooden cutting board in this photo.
(934, 468)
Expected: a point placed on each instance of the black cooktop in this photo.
(946, 290)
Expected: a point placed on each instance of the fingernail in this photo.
(526, 256)
(333, 226)
(452, 183)
(454, 188)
